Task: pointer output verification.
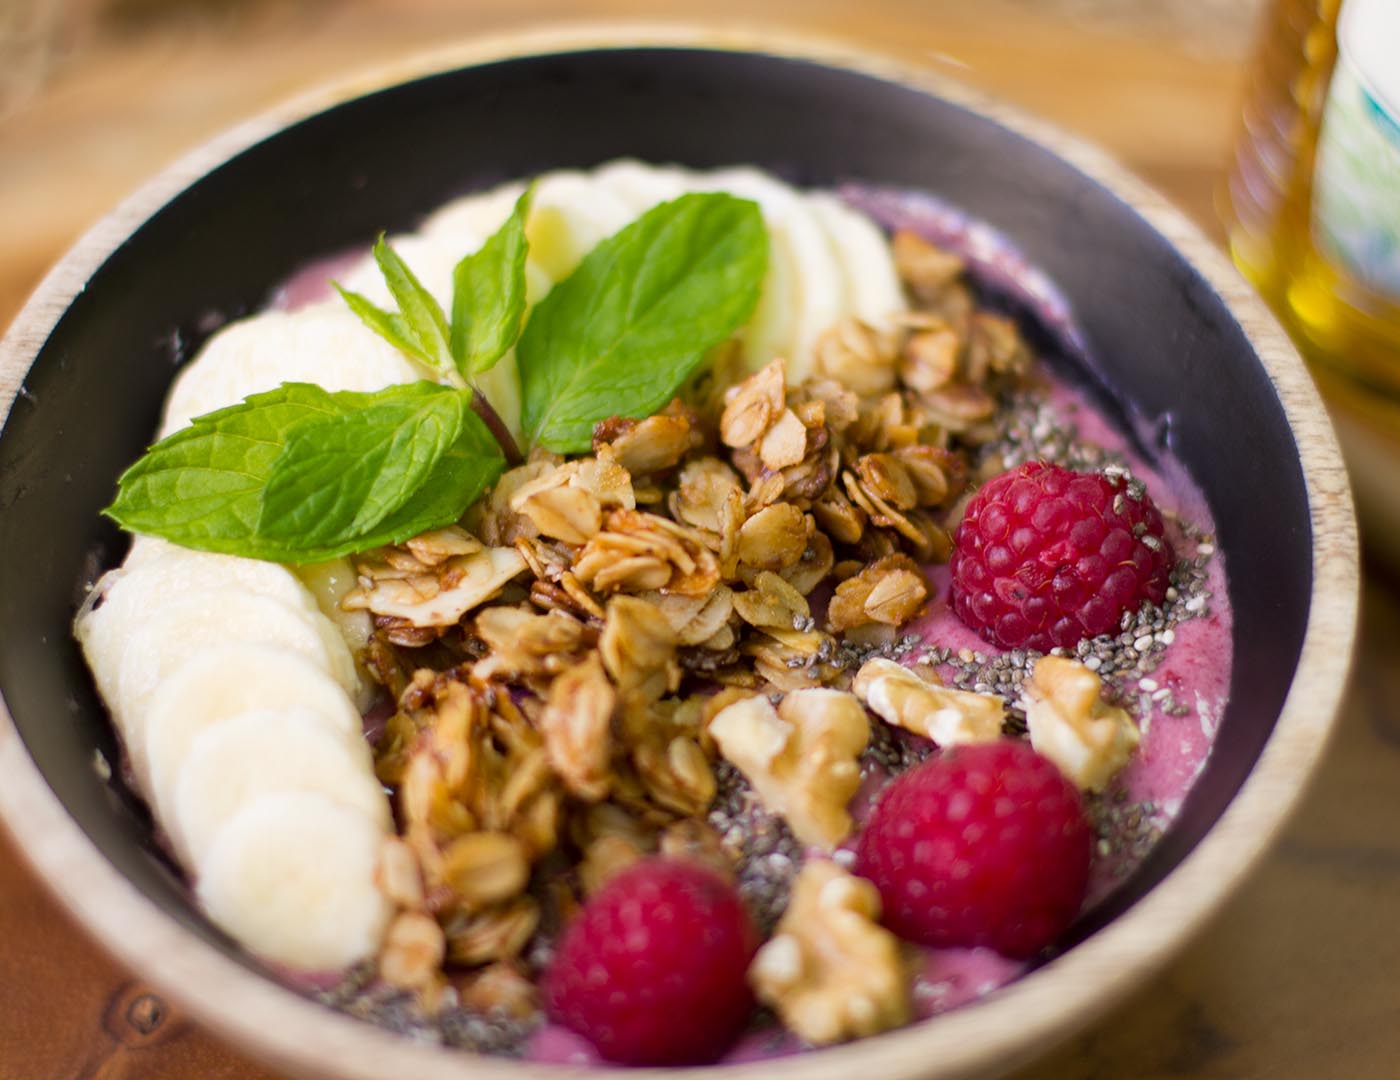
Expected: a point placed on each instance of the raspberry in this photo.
(652, 969)
(1045, 557)
(986, 844)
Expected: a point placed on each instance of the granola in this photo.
(764, 539)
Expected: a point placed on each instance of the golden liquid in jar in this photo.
(1340, 324)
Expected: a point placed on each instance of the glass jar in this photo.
(1312, 202)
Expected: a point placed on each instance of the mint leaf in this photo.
(635, 319)
(419, 328)
(488, 295)
(422, 314)
(202, 486)
(340, 476)
(389, 325)
(460, 477)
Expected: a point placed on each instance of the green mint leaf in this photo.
(461, 476)
(488, 295)
(621, 334)
(202, 486)
(340, 476)
(389, 325)
(422, 314)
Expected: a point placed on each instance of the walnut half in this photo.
(800, 757)
(1073, 726)
(831, 971)
(948, 717)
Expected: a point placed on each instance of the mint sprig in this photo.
(488, 304)
(211, 485)
(300, 474)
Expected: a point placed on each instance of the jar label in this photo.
(1356, 185)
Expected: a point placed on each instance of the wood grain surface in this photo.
(1291, 981)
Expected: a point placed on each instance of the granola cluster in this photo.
(578, 664)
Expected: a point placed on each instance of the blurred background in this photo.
(1295, 980)
(97, 94)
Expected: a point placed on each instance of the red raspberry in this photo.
(1045, 556)
(653, 970)
(982, 845)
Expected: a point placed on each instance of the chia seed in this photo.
(1126, 831)
(767, 855)
(1029, 429)
(849, 656)
(359, 994)
(486, 1033)
(892, 751)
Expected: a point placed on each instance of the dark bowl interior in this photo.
(1160, 342)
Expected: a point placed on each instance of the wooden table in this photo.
(1294, 980)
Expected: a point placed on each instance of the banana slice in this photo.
(224, 681)
(263, 752)
(146, 548)
(329, 583)
(125, 598)
(291, 878)
(643, 186)
(461, 227)
(872, 284)
(570, 214)
(476, 215)
(324, 344)
(179, 629)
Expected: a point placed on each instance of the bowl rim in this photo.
(1001, 1030)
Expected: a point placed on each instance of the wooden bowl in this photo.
(1172, 331)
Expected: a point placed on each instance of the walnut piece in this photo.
(831, 971)
(948, 717)
(800, 757)
(1073, 726)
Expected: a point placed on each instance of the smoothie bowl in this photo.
(761, 565)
